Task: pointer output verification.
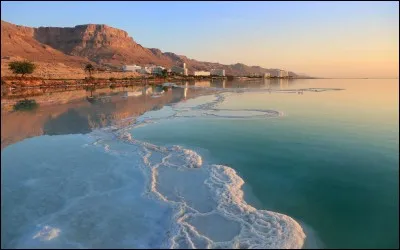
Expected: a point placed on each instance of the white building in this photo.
(283, 73)
(218, 72)
(131, 67)
(180, 70)
(201, 73)
(267, 75)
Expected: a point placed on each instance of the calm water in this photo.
(328, 160)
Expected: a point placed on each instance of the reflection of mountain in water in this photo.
(81, 116)
(70, 122)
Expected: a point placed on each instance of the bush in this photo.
(25, 105)
(22, 67)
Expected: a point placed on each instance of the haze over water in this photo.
(325, 163)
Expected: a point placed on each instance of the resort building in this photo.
(131, 67)
(283, 73)
(157, 70)
(144, 70)
(218, 72)
(180, 70)
(201, 73)
(267, 75)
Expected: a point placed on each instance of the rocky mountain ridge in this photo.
(100, 44)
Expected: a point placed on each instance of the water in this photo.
(318, 169)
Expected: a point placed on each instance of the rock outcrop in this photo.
(20, 41)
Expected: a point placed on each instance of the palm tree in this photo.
(89, 68)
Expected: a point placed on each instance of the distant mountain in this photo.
(101, 44)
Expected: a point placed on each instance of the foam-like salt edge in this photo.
(197, 190)
(212, 192)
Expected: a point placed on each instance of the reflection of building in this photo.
(218, 72)
(132, 93)
(180, 93)
(283, 73)
(218, 83)
(147, 90)
(201, 73)
(267, 83)
(180, 70)
(267, 75)
(185, 90)
(202, 84)
(131, 67)
(283, 83)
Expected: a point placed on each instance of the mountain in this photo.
(19, 41)
(100, 44)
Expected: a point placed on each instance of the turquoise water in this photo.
(329, 161)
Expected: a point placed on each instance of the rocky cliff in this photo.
(99, 43)
(19, 41)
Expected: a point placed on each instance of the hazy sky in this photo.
(328, 39)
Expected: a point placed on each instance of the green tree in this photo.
(164, 73)
(22, 67)
(89, 68)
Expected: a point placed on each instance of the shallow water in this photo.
(317, 161)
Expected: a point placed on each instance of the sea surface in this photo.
(307, 163)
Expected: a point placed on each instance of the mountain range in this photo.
(101, 45)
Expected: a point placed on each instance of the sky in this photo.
(324, 39)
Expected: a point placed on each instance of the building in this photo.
(217, 72)
(144, 70)
(131, 67)
(201, 73)
(283, 73)
(180, 70)
(267, 75)
(157, 70)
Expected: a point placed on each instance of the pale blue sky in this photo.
(339, 39)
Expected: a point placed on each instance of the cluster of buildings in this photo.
(279, 74)
(153, 69)
(157, 70)
(283, 73)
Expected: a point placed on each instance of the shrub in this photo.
(25, 105)
(22, 67)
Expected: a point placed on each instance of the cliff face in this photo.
(19, 41)
(101, 44)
